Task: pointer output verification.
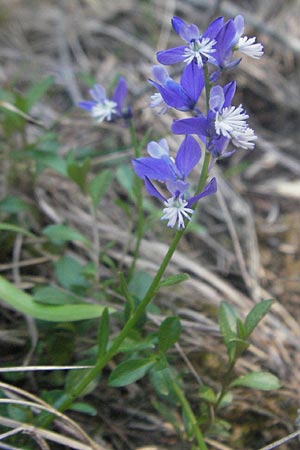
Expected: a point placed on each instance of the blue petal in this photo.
(174, 96)
(171, 56)
(158, 149)
(186, 32)
(154, 168)
(239, 25)
(151, 189)
(188, 156)
(211, 188)
(98, 93)
(229, 91)
(160, 74)
(88, 105)
(120, 93)
(223, 47)
(216, 98)
(178, 188)
(192, 80)
(193, 125)
(214, 28)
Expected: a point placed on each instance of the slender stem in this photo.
(225, 383)
(190, 415)
(67, 399)
(139, 200)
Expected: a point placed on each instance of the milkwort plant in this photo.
(215, 132)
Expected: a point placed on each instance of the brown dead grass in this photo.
(250, 249)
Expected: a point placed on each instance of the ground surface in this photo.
(249, 248)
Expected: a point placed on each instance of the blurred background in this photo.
(247, 246)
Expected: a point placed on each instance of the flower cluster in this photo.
(222, 128)
(107, 109)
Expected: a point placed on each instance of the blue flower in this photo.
(103, 108)
(200, 48)
(228, 40)
(161, 167)
(224, 123)
(182, 96)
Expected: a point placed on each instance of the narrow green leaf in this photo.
(11, 227)
(59, 234)
(24, 303)
(256, 315)
(168, 333)
(130, 371)
(241, 330)
(98, 186)
(84, 408)
(125, 177)
(103, 333)
(160, 380)
(227, 321)
(52, 295)
(264, 381)
(174, 279)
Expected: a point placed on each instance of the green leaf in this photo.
(78, 173)
(103, 333)
(264, 381)
(174, 279)
(24, 303)
(256, 315)
(37, 91)
(69, 272)
(162, 379)
(52, 295)
(84, 408)
(4, 226)
(227, 321)
(168, 333)
(206, 393)
(14, 205)
(241, 330)
(59, 234)
(125, 177)
(131, 344)
(228, 327)
(98, 186)
(130, 371)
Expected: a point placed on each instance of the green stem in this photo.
(67, 399)
(225, 384)
(190, 415)
(139, 200)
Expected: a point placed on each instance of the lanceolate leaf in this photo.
(227, 321)
(168, 333)
(264, 381)
(174, 279)
(103, 333)
(98, 186)
(257, 314)
(23, 302)
(130, 371)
